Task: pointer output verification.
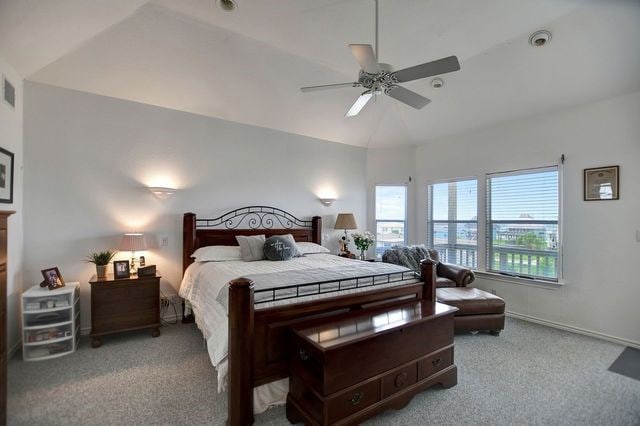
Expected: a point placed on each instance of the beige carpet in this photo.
(531, 374)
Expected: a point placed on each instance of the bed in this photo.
(246, 309)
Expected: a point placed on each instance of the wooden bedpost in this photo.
(188, 239)
(316, 226)
(240, 377)
(428, 276)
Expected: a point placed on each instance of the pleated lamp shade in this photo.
(133, 242)
(345, 221)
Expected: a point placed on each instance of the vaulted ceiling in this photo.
(247, 66)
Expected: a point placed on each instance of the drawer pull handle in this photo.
(436, 362)
(357, 398)
(401, 379)
(304, 355)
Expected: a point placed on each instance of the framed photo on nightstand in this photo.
(52, 278)
(121, 269)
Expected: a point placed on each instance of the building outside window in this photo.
(391, 217)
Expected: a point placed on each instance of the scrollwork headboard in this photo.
(253, 220)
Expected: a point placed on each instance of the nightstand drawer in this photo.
(124, 321)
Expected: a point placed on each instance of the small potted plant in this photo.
(101, 260)
(363, 242)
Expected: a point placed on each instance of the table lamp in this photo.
(133, 242)
(345, 221)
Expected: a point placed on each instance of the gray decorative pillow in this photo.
(251, 247)
(279, 248)
(296, 251)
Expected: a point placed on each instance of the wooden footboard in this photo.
(259, 339)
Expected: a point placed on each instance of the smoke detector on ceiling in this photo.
(540, 38)
(227, 5)
(437, 83)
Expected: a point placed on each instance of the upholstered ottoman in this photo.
(478, 309)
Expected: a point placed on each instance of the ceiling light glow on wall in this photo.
(162, 192)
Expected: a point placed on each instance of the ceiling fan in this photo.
(379, 78)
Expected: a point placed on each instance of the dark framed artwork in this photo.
(52, 278)
(121, 269)
(602, 183)
(6, 176)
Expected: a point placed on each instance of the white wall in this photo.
(601, 254)
(11, 140)
(90, 158)
(392, 166)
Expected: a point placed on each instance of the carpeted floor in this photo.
(530, 374)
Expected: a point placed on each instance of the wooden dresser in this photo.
(124, 304)
(3, 316)
(362, 363)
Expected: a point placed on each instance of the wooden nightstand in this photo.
(124, 304)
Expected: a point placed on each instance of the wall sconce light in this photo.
(327, 201)
(161, 192)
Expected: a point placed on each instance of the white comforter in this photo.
(201, 285)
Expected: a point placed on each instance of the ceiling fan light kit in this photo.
(380, 78)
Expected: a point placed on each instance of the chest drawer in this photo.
(432, 364)
(399, 379)
(336, 407)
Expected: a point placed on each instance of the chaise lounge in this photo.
(479, 310)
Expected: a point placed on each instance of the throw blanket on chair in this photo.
(409, 256)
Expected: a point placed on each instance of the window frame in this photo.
(483, 206)
(375, 213)
(488, 225)
(430, 221)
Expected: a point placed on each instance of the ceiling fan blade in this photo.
(329, 86)
(440, 66)
(363, 53)
(408, 97)
(359, 104)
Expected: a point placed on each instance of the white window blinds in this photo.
(523, 223)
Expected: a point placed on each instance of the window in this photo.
(452, 226)
(522, 223)
(391, 217)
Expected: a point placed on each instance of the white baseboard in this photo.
(573, 329)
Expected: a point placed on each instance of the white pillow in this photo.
(217, 254)
(251, 247)
(311, 248)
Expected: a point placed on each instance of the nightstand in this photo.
(124, 304)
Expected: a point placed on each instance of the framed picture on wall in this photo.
(6, 176)
(602, 183)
